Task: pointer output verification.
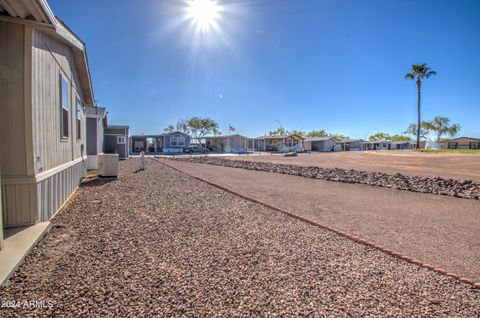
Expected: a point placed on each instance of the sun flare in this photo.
(203, 13)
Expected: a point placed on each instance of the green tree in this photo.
(414, 131)
(380, 136)
(296, 132)
(182, 125)
(317, 133)
(278, 132)
(419, 72)
(339, 136)
(199, 127)
(441, 126)
(168, 129)
(400, 138)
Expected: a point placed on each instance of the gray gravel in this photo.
(159, 243)
(467, 189)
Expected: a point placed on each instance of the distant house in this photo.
(351, 144)
(324, 144)
(116, 140)
(376, 145)
(175, 141)
(45, 86)
(172, 142)
(96, 122)
(227, 143)
(149, 144)
(461, 143)
(282, 143)
(400, 145)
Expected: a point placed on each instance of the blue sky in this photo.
(320, 64)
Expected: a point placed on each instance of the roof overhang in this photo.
(36, 10)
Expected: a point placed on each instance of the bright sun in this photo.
(204, 13)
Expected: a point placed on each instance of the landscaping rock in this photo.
(163, 244)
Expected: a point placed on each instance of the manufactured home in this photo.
(150, 144)
(96, 118)
(281, 143)
(324, 144)
(227, 143)
(172, 142)
(461, 143)
(351, 144)
(45, 87)
(116, 140)
(175, 141)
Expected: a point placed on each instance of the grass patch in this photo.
(449, 150)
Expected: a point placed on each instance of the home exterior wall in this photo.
(280, 144)
(234, 143)
(140, 143)
(39, 171)
(461, 143)
(50, 58)
(110, 141)
(92, 135)
(168, 147)
(323, 145)
(13, 156)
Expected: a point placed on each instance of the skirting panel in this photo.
(29, 203)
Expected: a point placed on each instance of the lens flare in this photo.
(204, 14)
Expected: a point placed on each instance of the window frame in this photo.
(175, 141)
(78, 117)
(119, 138)
(64, 133)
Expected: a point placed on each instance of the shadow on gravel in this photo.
(97, 182)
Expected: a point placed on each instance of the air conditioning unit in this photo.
(108, 165)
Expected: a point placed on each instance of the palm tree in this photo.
(418, 73)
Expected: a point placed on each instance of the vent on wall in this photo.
(108, 165)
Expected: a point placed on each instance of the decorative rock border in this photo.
(325, 227)
(466, 189)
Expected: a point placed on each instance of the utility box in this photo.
(108, 165)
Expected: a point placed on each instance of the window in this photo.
(64, 106)
(78, 121)
(121, 139)
(177, 141)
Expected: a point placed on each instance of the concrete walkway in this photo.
(439, 230)
(17, 244)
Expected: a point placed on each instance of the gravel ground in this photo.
(439, 230)
(466, 189)
(446, 165)
(159, 243)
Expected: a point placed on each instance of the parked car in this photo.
(195, 149)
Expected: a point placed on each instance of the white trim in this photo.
(177, 142)
(40, 176)
(119, 140)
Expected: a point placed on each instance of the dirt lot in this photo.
(158, 243)
(439, 230)
(446, 165)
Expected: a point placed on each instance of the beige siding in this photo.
(50, 58)
(54, 191)
(12, 112)
(19, 203)
(28, 203)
